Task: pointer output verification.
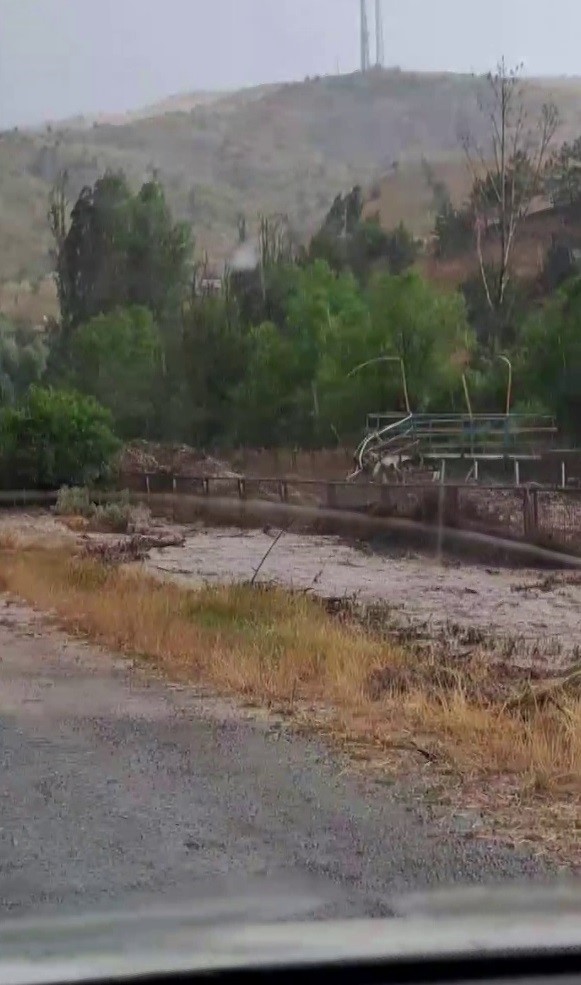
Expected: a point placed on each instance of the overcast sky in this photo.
(63, 57)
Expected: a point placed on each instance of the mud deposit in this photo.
(535, 616)
(541, 612)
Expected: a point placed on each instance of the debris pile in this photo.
(130, 549)
(144, 457)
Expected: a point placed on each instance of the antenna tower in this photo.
(365, 56)
(380, 49)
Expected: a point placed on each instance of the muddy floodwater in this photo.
(540, 609)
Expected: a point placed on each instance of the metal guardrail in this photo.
(470, 436)
(398, 436)
(537, 514)
(543, 515)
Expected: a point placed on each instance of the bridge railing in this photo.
(481, 434)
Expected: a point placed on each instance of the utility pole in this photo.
(380, 50)
(365, 57)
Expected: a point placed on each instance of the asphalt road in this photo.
(118, 789)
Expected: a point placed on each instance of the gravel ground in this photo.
(117, 788)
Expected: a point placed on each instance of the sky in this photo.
(59, 58)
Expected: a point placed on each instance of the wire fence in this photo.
(548, 516)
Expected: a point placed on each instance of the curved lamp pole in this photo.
(387, 359)
(506, 360)
(467, 395)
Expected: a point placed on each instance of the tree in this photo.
(564, 179)
(549, 348)
(331, 242)
(400, 249)
(401, 319)
(495, 326)
(115, 358)
(453, 229)
(507, 174)
(427, 330)
(23, 355)
(347, 339)
(260, 285)
(158, 258)
(214, 360)
(346, 241)
(91, 251)
(286, 394)
(117, 249)
(55, 438)
(274, 403)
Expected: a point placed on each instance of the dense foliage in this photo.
(55, 438)
(295, 349)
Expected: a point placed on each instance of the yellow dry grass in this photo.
(283, 649)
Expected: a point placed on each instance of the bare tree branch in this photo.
(507, 179)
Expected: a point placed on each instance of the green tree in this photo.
(427, 330)
(453, 229)
(347, 242)
(564, 175)
(118, 249)
(549, 349)
(273, 405)
(214, 358)
(265, 273)
(91, 250)
(278, 400)
(159, 255)
(23, 354)
(116, 358)
(54, 438)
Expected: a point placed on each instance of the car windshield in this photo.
(290, 453)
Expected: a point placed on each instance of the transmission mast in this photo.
(365, 56)
(380, 49)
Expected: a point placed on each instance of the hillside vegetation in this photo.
(285, 148)
(289, 348)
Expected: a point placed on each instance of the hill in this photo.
(287, 147)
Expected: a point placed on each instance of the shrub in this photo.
(74, 501)
(115, 516)
(55, 438)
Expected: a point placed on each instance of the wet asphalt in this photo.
(120, 790)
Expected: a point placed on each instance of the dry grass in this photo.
(287, 148)
(405, 196)
(286, 650)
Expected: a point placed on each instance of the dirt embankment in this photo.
(148, 458)
(145, 457)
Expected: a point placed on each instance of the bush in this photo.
(74, 502)
(55, 438)
(115, 516)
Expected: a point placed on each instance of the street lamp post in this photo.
(506, 360)
(388, 359)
